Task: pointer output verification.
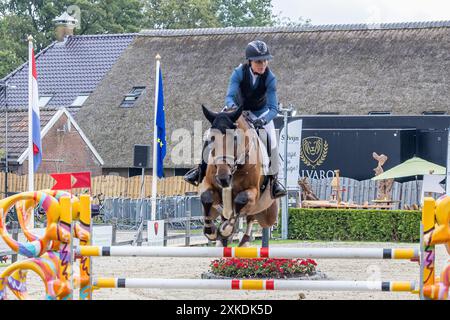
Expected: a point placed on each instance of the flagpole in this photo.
(30, 117)
(30, 126)
(155, 141)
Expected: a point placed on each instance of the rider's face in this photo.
(259, 66)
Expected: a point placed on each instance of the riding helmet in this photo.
(257, 50)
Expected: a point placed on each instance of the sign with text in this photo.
(293, 153)
(101, 236)
(155, 233)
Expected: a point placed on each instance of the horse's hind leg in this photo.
(210, 214)
(268, 217)
(245, 241)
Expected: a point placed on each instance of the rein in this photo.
(234, 161)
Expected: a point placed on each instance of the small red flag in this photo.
(63, 181)
(83, 179)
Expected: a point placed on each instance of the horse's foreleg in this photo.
(245, 200)
(242, 200)
(245, 241)
(207, 199)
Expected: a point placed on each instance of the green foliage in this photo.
(244, 13)
(354, 225)
(174, 14)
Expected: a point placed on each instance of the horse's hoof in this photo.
(226, 229)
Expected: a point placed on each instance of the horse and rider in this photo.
(251, 104)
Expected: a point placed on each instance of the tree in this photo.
(175, 14)
(245, 13)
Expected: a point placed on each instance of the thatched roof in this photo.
(402, 68)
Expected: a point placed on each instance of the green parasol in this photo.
(412, 167)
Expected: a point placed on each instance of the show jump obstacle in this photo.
(52, 255)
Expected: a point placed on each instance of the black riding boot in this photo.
(278, 190)
(195, 176)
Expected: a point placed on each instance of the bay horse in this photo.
(235, 165)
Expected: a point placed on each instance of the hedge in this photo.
(354, 225)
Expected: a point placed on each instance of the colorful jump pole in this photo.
(273, 252)
(397, 286)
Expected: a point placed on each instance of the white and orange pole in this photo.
(238, 284)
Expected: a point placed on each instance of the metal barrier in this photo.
(128, 211)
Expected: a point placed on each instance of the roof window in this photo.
(379, 113)
(328, 113)
(79, 100)
(130, 98)
(434, 113)
(44, 100)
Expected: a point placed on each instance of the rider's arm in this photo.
(233, 87)
(272, 99)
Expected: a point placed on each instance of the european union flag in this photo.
(160, 129)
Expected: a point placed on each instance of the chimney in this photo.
(64, 26)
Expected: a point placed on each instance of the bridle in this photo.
(234, 161)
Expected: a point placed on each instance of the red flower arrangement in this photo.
(262, 267)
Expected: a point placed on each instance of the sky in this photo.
(363, 11)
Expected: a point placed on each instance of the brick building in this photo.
(65, 147)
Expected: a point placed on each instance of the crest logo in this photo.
(314, 151)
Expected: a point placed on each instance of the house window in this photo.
(79, 100)
(131, 97)
(44, 100)
(434, 113)
(379, 113)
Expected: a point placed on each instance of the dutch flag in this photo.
(34, 127)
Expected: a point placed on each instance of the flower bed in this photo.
(263, 268)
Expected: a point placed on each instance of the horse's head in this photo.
(222, 135)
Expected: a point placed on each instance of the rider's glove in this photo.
(259, 123)
(228, 108)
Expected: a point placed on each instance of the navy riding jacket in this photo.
(271, 100)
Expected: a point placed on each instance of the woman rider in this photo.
(253, 86)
